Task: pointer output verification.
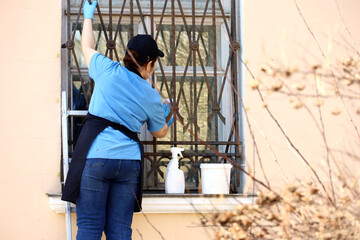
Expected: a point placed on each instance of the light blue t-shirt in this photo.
(123, 97)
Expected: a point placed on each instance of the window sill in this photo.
(175, 203)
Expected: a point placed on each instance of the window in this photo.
(200, 70)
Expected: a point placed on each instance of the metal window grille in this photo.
(199, 74)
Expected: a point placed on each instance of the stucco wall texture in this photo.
(30, 118)
(274, 32)
(30, 108)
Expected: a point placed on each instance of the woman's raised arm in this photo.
(87, 38)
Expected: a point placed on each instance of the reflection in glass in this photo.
(182, 45)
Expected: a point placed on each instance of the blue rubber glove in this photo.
(167, 111)
(89, 9)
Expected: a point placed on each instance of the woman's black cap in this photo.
(145, 46)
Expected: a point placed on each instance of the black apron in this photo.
(92, 127)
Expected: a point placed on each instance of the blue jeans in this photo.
(107, 198)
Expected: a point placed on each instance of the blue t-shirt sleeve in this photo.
(100, 64)
(156, 120)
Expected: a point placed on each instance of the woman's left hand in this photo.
(89, 9)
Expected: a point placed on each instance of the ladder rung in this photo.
(77, 113)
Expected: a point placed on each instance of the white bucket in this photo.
(215, 178)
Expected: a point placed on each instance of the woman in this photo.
(105, 176)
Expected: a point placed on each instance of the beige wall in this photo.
(30, 119)
(170, 226)
(274, 31)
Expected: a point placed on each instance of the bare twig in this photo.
(352, 155)
(139, 233)
(286, 136)
(258, 154)
(272, 151)
(324, 138)
(312, 96)
(331, 70)
(343, 21)
(152, 225)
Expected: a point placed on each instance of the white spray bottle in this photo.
(174, 179)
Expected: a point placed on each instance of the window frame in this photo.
(145, 135)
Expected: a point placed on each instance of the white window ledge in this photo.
(175, 203)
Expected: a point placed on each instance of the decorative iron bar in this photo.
(197, 75)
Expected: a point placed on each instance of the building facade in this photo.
(205, 43)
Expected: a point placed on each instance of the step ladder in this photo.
(65, 114)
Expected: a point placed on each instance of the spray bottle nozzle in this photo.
(175, 151)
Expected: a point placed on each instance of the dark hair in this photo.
(129, 61)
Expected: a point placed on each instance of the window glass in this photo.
(183, 47)
(100, 42)
(206, 126)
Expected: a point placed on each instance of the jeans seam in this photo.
(118, 170)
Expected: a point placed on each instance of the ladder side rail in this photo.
(64, 119)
